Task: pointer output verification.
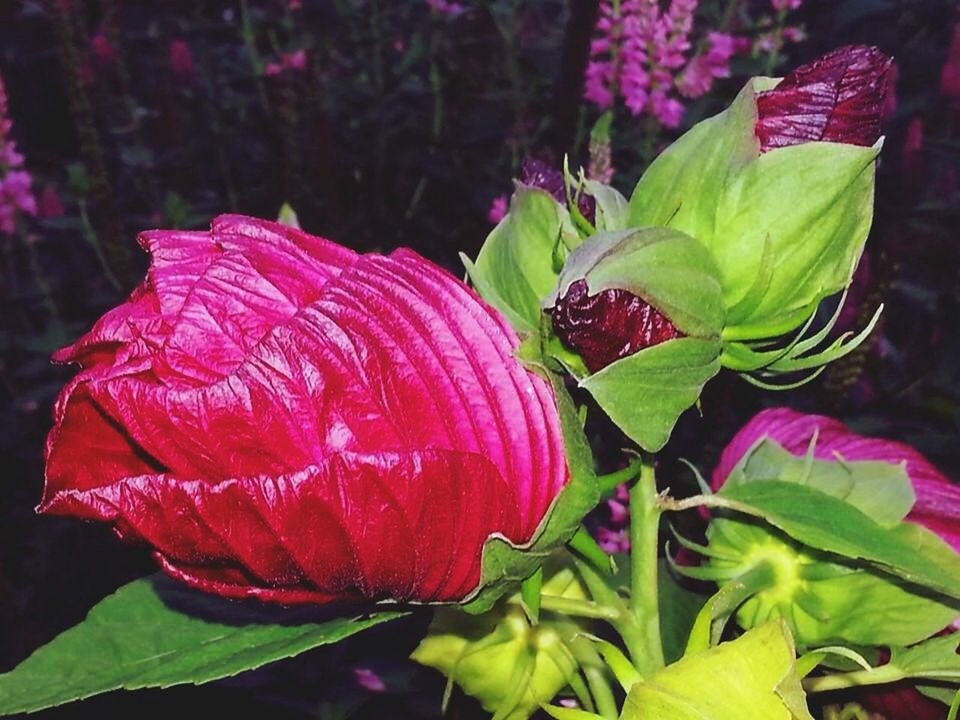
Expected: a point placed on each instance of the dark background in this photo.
(401, 129)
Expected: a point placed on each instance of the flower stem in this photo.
(644, 602)
(577, 608)
(841, 681)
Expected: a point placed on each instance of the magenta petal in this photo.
(272, 413)
(837, 98)
(389, 525)
(937, 505)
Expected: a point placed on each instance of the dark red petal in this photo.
(387, 525)
(608, 326)
(836, 98)
(540, 175)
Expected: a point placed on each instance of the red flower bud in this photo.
(608, 326)
(540, 175)
(836, 98)
(282, 418)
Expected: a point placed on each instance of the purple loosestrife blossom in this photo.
(643, 54)
(16, 195)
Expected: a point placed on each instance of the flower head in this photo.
(281, 418)
(937, 505)
(837, 98)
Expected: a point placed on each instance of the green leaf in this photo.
(504, 564)
(823, 522)
(678, 612)
(880, 490)
(156, 633)
(750, 678)
(515, 268)
(645, 393)
(935, 659)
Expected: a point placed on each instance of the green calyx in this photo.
(823, 598)
(785, 228)
(645, 393)
(510, 664)
(519, 262)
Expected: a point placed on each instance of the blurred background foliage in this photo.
(400, 122)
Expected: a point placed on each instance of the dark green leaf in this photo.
(156, 633)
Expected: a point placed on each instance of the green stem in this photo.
(644, 603)
(841, 681)
(603, 696)
(578, 608)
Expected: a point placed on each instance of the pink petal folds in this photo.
(938, 499)
(838, 97)
(281, 418)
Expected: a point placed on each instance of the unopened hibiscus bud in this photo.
(839, 97)
(637, 315)
(823, 598)
(540, 175)
(503, 660)
(281, 418)
(608, 326)
(779, 188)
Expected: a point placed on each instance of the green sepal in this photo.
(612, 207)
(822, 598)
(510, 665)
(515, 267)
(785, 227)
(155, 633)
(823, 522)
(645, 393)
(669, 270)
(881, 490)
(751, 678)
(504, 564)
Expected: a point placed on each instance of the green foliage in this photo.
(156, 633)
(511, 666)
(881, 490)
(785, 228)
(825, 523)
(515, 268)
(750, 678)
(823, 599)
(645, 393)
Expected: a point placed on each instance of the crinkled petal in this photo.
(385, 525)
(380, 398)
(837, 98)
